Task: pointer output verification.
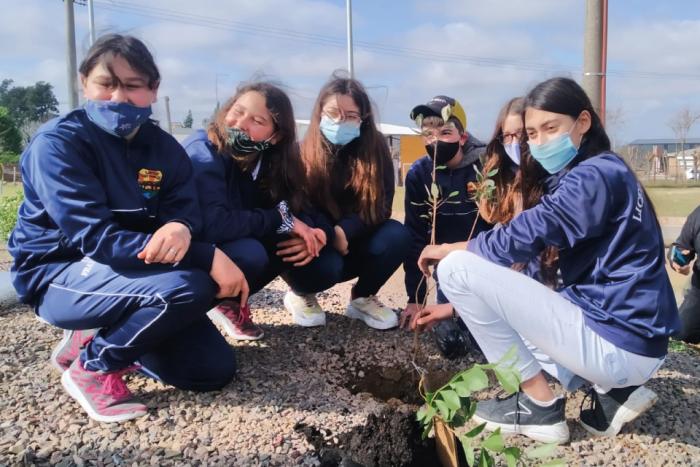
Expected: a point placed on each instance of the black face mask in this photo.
(445, 151)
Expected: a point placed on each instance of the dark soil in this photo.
(391, 438)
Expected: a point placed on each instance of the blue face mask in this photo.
(556, 153)
(339, 133)
(117, 118)
(513, 151)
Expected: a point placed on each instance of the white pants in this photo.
(504, 308)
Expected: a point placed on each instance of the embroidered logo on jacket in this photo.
(149, 181)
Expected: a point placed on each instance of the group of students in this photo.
(135, 245)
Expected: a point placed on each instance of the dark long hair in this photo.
(282, 172)
(564, 96)
(367, 157)
(131, 49)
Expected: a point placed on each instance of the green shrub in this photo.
(8, 213)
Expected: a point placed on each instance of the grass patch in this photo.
(674, 202)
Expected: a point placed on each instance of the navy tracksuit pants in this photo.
(156, 317)
(373, 258)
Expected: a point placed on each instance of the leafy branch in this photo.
(452, 406)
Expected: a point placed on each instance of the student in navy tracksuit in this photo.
(250, 180)
(350, 179)
(456, 162)
(610, 321)
(102, 242)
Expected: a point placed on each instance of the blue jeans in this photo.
(372, 258)
(154, 316)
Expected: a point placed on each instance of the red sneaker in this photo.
(104, 396)
(69, 348)
(236, 321)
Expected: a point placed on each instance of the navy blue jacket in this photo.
(454, 219)
(233, 205)
(611, 253)
(89, 193)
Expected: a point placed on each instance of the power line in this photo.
(405, 52)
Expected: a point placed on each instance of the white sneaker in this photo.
(305, 309)
(373, 312)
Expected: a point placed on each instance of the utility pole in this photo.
(167, 114)
(348, 17)
(91, 17)
(72, 67)
(595, 54)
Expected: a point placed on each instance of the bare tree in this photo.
(614, 120)
(681, 123)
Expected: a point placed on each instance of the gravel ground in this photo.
(314, 376)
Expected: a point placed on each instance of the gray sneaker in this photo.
(518, 414)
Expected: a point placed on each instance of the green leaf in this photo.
(489, 183)
(485, 459)
(492, 173)
(440, 167)
(451, 399)
(458, 420)
(426, 429)
(472, 409)
(512, 456)
(425, 413)
(468, 449)
(539, 452)
(475, 379)
(443, 409)
(454, 193)
(425, 216)
(475, 431)
(461, 388)
(494, 442)
(509, 378)
(434, 190)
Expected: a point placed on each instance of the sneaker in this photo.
(236, 321)
(104, 396)
(610, 410)
(305, 309)
(72, 343)
(452, 341)
(519, 414)
(373, 312)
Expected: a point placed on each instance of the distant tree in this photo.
(28, 105)
(187, 122)
(681, 123)
(10, 136)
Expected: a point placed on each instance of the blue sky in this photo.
(481, 52)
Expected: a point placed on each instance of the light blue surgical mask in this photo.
(513, 151)
(556, 153)
(117, 118)
(339, 133)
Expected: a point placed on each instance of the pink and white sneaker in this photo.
(72, 343)
(104, 396)
(236, 321)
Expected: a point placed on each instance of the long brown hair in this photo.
(508, 197)
(367, 157)
(282, 171)
(516, 191)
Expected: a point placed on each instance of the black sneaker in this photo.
(610, 410)
(518, 414)
(452, 341)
